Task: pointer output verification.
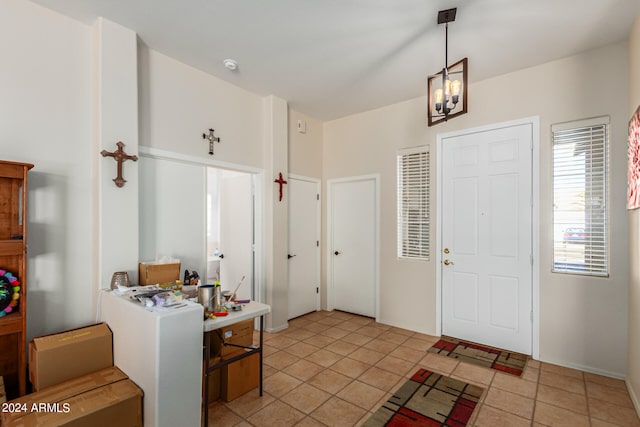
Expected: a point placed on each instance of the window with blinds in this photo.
(580, 187)
(413, 203)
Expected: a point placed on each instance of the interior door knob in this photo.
(221, 256)
(289, 256)
(336, 253)
(447, 262)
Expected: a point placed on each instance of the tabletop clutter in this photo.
(163, 290)
(160, 288)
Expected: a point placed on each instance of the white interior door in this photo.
(487, 237)
(236, 232)
(304, 246)
(353, 245)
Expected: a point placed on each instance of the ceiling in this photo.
(332, 58)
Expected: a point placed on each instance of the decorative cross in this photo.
(211, 139)
(280, 181)
(120, 156)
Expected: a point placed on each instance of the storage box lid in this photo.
(72, 336)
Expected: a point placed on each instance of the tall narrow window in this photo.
(413, 203)
(580, 187)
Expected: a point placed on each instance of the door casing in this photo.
(535, 223)
(329, 256)
(259, 264)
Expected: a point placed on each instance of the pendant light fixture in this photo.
(447, 90)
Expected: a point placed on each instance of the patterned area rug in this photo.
(428, 399)
(501, 360)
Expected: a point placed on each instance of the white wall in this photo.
(633, 356)
(305, 149)
(45, 119)
(179, 103)
(581, 318)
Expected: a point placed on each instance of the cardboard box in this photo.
(150, 273)
(214, 382)
(60, 357)
(102, 399)
(240, 377)
(240, 333)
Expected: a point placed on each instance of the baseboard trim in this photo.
(589, 369)
(277, 329)
(634, 397)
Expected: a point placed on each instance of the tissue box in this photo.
(150, 273)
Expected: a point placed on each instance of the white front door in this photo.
(487, 237)
(236, 233)
(304, 246)
(353, 245)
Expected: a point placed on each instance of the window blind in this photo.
(413, 203)
(580, 187)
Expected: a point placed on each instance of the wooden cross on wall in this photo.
(280, 181)
(119, 156)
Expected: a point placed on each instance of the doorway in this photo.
(486, 250)
(176, 196)
(231, 231)
(353, 245)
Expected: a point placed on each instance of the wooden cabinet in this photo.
(13, 264)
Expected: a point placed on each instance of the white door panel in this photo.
(353, 252)
(304, 250)
(486, 227)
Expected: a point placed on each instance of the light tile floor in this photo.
(336, 369)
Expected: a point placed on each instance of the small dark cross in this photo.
(120, 156)
(280, 181)
(211, 139)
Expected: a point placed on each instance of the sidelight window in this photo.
(413, 203)
(580, 197)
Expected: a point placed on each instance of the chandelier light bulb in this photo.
(438, 96)
(456, 85)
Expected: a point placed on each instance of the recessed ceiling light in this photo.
(230, 64)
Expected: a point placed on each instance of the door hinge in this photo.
(531, 315)
(318, 243)
(317, 197)
(531, 259)
(317, 290)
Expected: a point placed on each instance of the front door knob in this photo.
(336, 253)
(447, 262)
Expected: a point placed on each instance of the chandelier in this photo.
(447, 90)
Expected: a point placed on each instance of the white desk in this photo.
(249, 311)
